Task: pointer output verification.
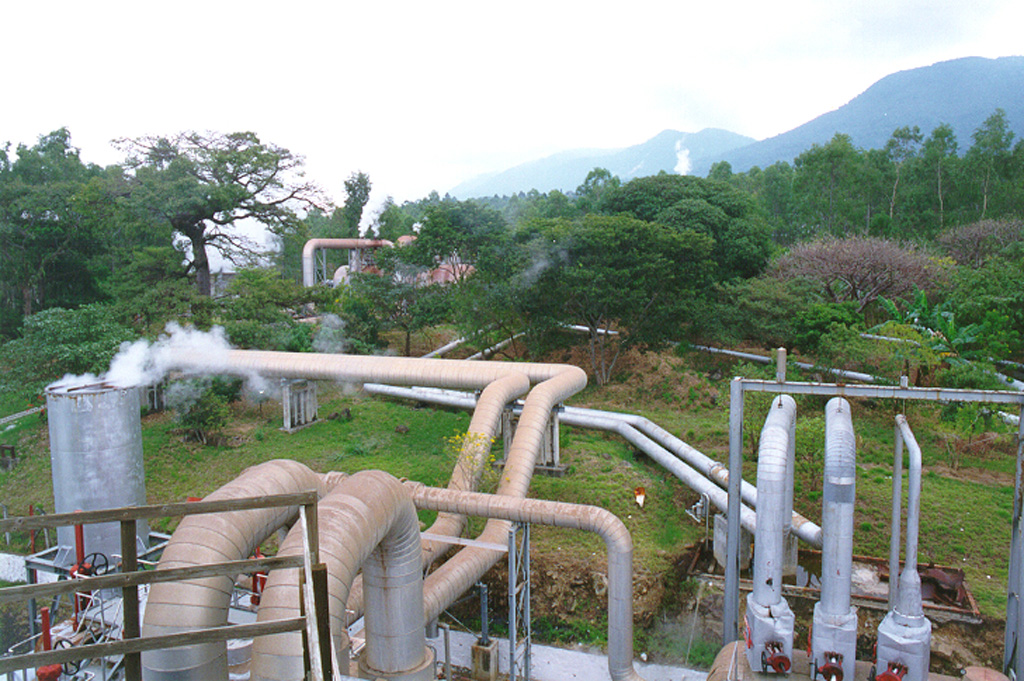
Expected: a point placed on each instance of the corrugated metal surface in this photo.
(96, 456)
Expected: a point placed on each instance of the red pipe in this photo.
(44, 614)
(79, 544)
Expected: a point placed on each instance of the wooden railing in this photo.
(316, 640)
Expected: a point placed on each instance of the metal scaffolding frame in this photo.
(1013, 660)
(520, 638)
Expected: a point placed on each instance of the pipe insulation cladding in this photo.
(691, 466)
(834, 634)
(560, 514)
(95, 439)
(220, 537)
(368, 522)
(769, 620)
(310, 248)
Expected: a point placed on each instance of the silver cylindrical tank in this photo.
(96, 459)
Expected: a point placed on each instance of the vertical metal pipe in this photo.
(731, 603)
(780, 365)
(485, 639)
(897, 518)
(447, 650)
(45, 616)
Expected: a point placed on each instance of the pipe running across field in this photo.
(553, 383)
(670, 452)
(559, 514)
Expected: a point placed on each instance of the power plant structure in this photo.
(351, 547)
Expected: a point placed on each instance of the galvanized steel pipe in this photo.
(642, 433)
(838, 497)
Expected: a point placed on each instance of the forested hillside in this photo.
(921, 238)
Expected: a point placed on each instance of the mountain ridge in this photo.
(961, 92)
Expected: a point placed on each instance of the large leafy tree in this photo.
(456, 234)
(46, 236)
(204, 184)
(741, 236)
(614, 273)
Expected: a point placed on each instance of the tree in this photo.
(903, 146)
(826, 181)
(859, 269)
(615, 273)
(397, 300)
(392, 221)
(357, 193)
(940, 158)
(56, 342)
(202, 185)
(592, 195)
(45, 237)
(742, 238)
(457, 234)
(990, 156)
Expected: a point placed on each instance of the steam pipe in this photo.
(558, 514)
(838, 499)
(905, 634)
(203, 603)
(554, 384)
(769, 621)
(311, 246)
(834, 634)
(369, 522)
(773, 473)
(657, 443)
(465, 569)
(908, 596)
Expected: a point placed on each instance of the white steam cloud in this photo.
(144, 363)
(682, 159)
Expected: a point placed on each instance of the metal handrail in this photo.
(132, 645)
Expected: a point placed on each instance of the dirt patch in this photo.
(979, 475)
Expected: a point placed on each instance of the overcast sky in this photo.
(423, 95)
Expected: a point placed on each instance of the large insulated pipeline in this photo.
(311, 246)
(633, 428)
(476, 445)
(558, 514)
(834, 635)
(203, 603)
(773, 472)
(369, 522)
(769, 619)
(554, 384)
